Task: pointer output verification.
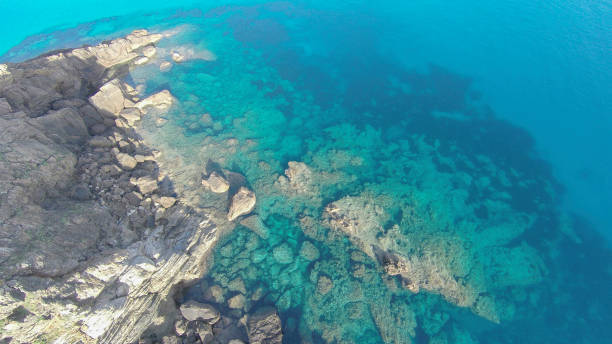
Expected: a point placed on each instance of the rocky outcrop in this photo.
(243, 202)
(93, 242)
(264, 327)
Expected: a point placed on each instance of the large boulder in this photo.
(193, 310)
(216, 183)
(109, 100)
(264, 327)
(64, 126)
(243, 203)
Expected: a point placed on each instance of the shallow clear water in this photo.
(415, 126)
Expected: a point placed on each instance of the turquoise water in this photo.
(453, 135)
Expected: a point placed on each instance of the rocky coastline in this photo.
(95, 243)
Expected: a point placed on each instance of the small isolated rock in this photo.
(160, 122)
(167, 202)
(146, 185)
(126, 161)
(193, 310)
(243, 203)
(216, 183)
(264, 327)
(178, 58)
(5, 107)
(324, 285)
(165, 66)
(110, 170)
(309, 251)
(236, 302)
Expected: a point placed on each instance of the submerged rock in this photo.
(309, 251)
(264, 327)
(283, 254)
(236, 302)
(324, 285)
(145, 185)
(161, 100)
(193, 310)
(243, 203)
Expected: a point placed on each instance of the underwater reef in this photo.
(211, 181)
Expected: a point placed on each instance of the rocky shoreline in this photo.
(95, 243)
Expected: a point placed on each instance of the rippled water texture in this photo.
(332, 132)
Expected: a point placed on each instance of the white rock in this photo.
(243, 203)
(165, 66)
(216, 183)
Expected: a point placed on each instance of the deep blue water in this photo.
(520, 86)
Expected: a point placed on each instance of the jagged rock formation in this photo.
(93, 242)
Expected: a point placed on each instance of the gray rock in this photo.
(133, 198)
(264, 327)
(167, 202)
(109, 100)
(131, 115)
(5, 107)
(100, 142)
(193, 310)
(90, 115)
(97, 129)
(204, 331)
(236, 302)
(63, 126)
(243, 203)
(126, 161)
(80, 192)
(216, 183)
(146, 184)
(110, 170)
